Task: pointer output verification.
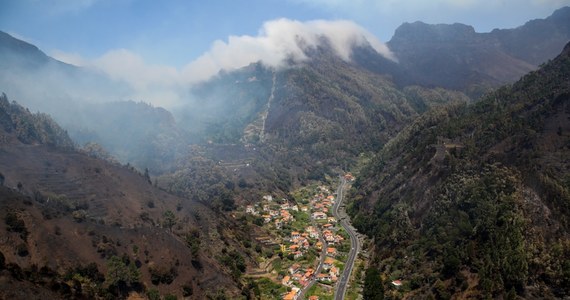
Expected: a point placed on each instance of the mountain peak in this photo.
(420, 31)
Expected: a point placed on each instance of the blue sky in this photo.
(158, 47)
(174, 32)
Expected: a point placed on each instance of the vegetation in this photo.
(461, 200)
(31, 128)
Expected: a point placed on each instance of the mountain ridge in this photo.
(473, 195)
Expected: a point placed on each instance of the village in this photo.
(312, 246)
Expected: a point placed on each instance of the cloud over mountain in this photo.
(281, 40)
(278, 41)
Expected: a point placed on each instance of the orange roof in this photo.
(329, 260)
(314, 298)
(290, 296)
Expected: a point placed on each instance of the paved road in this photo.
(354, 243)
(321, 261)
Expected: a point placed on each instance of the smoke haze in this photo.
(278, 41)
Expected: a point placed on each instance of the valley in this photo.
(312, 246)
(323, 164)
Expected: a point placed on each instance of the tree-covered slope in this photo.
(474, 200)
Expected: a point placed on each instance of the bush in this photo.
(153, 294)
(15, 224)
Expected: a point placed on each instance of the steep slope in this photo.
(472, 201)
(455, 56)
(66, 217)
(149, 137)
(85, 102)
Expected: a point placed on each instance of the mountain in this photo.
(455, 56)
(472, 200)
(75, 226)
(149, 137)
(292, 124)
(85, 103)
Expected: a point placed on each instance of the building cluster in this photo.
(274, 212)
(321, 236)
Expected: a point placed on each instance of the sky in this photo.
(160, 43)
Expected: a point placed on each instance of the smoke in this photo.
(278, 41)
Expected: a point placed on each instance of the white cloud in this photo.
(69, 58)
(382, 17)
(277, 41)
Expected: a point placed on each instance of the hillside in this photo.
(454, 56)
(149, 137)
(87, 104)
(75, 226)
(472, 200)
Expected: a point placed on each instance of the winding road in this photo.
(354, 243)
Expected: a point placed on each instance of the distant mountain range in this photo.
(456, 57)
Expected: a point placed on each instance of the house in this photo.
(294, 268)
(293, 248)
(319, 215)
(285, 205)
(266, 207)
(273, 213)
(338, 239)
(331, 219)
(294, 208)
(397, 283)
(295, 235)
(268, 198)
(266, 218)
(324, 277)
(334, 271)
(304, 208)
(292, 295)
(328, 226)
(250, 210)
(278, 224)
(314, 234)
(331, 251)
(297, 254)
(314, 297)
(328, 263)
(309, 273)
(319, 245)
(286, 280)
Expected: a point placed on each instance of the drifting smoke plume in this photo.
(279, 40)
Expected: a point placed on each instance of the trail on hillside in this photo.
(264, 117)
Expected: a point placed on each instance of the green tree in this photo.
(153, 294)
(169, 220)
(120, 274)
(193, 241)
(373, 288)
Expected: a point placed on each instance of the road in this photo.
(321, 261)
(354, 243)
